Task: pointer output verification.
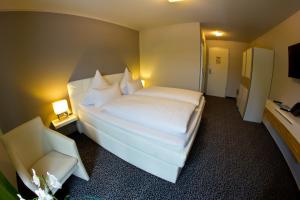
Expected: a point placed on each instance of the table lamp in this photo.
(61, 109)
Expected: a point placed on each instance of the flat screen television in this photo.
(294, 61)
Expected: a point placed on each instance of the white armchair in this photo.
(33, 146)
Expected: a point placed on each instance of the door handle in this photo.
(209, 71)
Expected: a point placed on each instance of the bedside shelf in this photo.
(60, 123)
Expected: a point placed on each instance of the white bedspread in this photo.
(152, 112)
(171, 93)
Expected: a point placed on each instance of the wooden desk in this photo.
(285, 130)
(285, 134)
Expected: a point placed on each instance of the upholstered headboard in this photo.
(78, 89)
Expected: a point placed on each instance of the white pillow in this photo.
(133, 86)
(98, 98)
(123, 84)
(99, 82)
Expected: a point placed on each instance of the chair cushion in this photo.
(58, 164)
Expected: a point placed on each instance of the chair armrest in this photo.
(24, 174)
(62, 143)
(19, 166)
(67, 146)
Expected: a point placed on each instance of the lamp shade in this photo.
(60, 107)
(143, 83)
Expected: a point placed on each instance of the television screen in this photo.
(294, 61)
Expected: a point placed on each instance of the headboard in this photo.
(78, 89)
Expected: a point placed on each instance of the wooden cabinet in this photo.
(249, 62)
(244, 63)
(255, 84)
(243, 99)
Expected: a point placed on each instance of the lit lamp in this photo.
(173, 1)
(143, 83)
(218, 33)
(61, 109)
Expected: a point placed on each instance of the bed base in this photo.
(131, 155)
(136, 157)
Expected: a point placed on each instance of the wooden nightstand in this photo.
(65, 126)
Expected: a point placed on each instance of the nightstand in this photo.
(65, 126)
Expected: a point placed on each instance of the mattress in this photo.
(184, 95)
(169, 116)
(157, 142)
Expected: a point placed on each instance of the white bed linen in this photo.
(189, 96)
(162, 158)
(96, 117)
(161, 114)
(140, 151)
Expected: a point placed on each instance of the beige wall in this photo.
(279, 38)
(170, 56)
(235, 63)
(41, 52)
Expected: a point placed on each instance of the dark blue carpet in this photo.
(230, 159)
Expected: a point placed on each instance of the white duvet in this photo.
(171, 93)
(158, 113)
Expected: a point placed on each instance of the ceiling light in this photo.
(173, 1)
(218, 33)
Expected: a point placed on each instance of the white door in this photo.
(239, 97)
(217, 71)
(202, 75)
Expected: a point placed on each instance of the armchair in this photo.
(33, 146)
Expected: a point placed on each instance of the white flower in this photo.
(42, 195)
(35, 178)
(20, 197)
(53, 182)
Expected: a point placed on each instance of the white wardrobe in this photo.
(255, 85)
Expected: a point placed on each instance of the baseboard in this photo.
(227, 97)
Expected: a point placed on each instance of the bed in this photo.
(154, 151)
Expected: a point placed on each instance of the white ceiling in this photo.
(242, 20)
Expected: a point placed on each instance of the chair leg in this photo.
(81, 171)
